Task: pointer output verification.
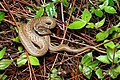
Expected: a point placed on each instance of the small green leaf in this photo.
(20, 48)
(86, 58)
(111, 55)
(118, 68)
(86, 16)
(65, 3)
(80, 68)
(4, 63)
(90, 25)
(118, 53)
(92, 9)
(54, 71)
(34, 61)
(2, 15)
(22, 60)
(100, 23)
(102, 36)
(104, 4)
(99, 73)
(109, 44)
(113, 73)
(39, 13)
(98, 13)
(87, 72)
(53, 76)
(110, 10)
(93, 64)
(111, 2)
(104, 59)
(117, 46)
(77, 24)
(16, 39)
(2, 52)
(3, 77)
(50, 10)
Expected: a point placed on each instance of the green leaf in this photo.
(99, 73)
(53, 76)
(4, 63)
(113, 73)
(80, 68)
(104, 4)
(20, 48)
(86, 16)
(110, 10)
(109, 44)
(86, 58)
(111, 55)
(102, 36)
(39, 13)
(90, 25)
(2, 15)
(104, 59)
(111, 3)
(50, 10)
(93, 64)
(22, 60)
(3, 77)
(2, 52)
(118, 68)
(34, 61)
(77, 24)
(16, 39)
(118, 53)
(100, 23)
(87, 72)
(117, 46)
(54, 71)
(92, 9)
(98, 13)
(65, 3)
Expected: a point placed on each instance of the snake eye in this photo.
(48, 23)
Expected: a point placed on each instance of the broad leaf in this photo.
(86, 58)
(113, 73)
(111, 55)
(4, 63)
(90, 25)
(2, 15)
(22, 60)
(102, 36)
(86, 16)
(39, 13)
(77, 24)
(109, 44)
(110, 10)
(2, 52)
(118, 68)
(34, 61)
(87, 72)
(100, 23)
(99, 73)
(104, 59)
(98, 13)
(50, 9)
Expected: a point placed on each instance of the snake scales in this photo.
(34, 37)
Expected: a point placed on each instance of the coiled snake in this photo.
(36, 39)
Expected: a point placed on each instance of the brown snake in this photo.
(34, 37)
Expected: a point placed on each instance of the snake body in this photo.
(35, 37)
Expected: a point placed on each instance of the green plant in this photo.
(54, 75)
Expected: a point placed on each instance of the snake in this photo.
(35, 37)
